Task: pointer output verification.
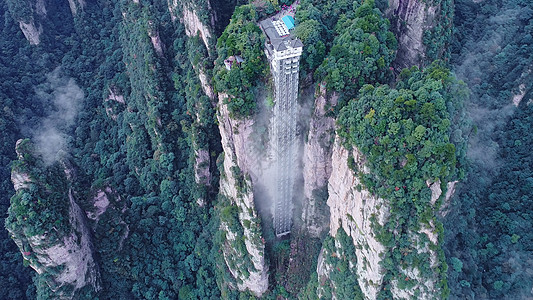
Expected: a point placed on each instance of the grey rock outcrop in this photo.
(317, 163)
(206, 85)
(238, 188)
(201, 167)
(353, 209)
(517, 98)
(194, 26)
(62, 252)
(29, 14)
(359, 212)
(40, 8)
(72, 255)
(76, 6)
(155, 39)
(31, 31)
(410, 19)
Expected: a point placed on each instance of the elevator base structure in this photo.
(283, 52)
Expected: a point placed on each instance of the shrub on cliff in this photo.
(243, 38)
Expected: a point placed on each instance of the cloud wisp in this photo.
(64, 98)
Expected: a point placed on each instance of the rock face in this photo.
(31, 32)
(40, 8)
(359, 213)
(317, 163)
(194, 26)
(352, 208)
(410, 19)
(76, 5)
(100, 204)
(206, 85)
(62, 255)
(114, 103)
(517, 98)
(72, 255)
(323, 269)
(201, 167)
(156, 40)
(107, 201)
(29, 15)
(248, 267)
(20, 180)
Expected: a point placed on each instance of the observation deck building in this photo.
(283, 51)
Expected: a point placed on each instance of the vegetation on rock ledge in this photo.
(410, 135)
(242, 37)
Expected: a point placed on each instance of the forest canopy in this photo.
(243, 38)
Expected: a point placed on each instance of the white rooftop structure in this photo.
(281, 28)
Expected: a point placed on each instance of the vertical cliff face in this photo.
(206, 84)
(244, 248)
(413, 22)
(517, 98)
(200, 34)
(49, 227)
(194, 26)
(202, 150)
(29, 15)
(40, 7)
(317, 163)
(31, 31)
(361, 214)
(209, 18)
(67, 263)
(188, 15)
(76, 6)
(355, 210)
(155, 39)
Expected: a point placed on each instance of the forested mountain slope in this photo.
(132, 143)
(134, 162)
(488, 237)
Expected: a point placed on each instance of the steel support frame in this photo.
(284, 141)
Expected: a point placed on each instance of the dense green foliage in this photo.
(361, 52)
(156, 242)
(41, 207)
(508, 208)
(142, 149)
(487, 229)
(244, 38)
(160, 257)
(22, 69)
(22, 10)
(316, 22)
(438, 38)
(493, 48)
(491, 238)
(340, 263)
(407, 138)
(406, 134)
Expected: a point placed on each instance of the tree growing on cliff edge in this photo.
(409, 135)
(417, 122)
(361, 53)
(244, 38)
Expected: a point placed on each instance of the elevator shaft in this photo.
(284, 141)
